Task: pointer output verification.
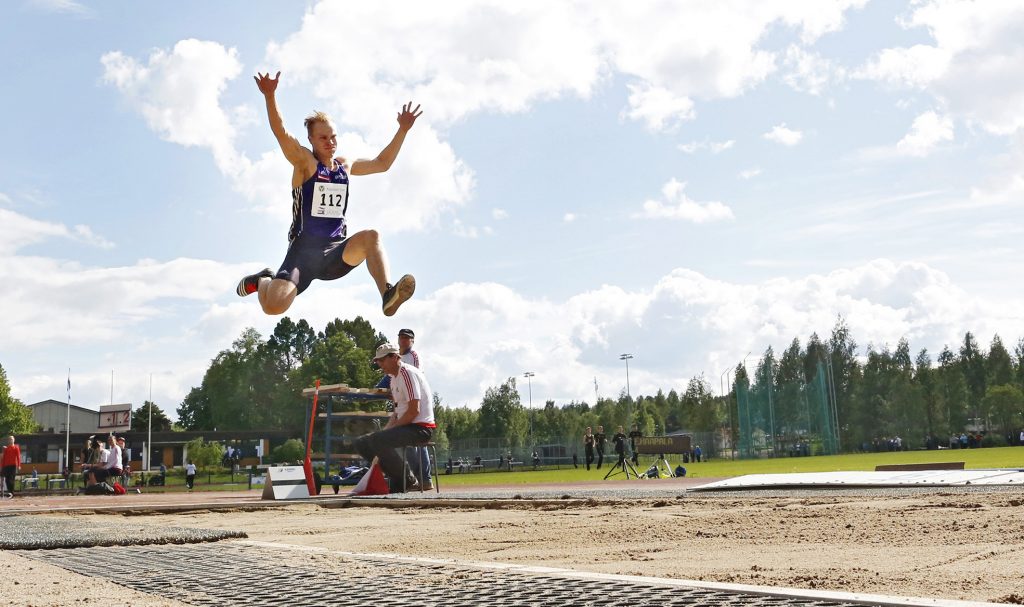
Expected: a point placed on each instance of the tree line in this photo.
(882, 392)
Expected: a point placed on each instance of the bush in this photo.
(292, 450)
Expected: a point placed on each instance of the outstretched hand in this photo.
(407, 117)
(267, 84)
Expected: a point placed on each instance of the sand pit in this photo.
(966, 545)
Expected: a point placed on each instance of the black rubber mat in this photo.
(44, 532)
(228, 574)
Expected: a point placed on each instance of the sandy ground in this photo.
(949, 545)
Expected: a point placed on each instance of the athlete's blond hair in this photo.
(314, 118)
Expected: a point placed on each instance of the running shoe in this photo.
(397, 294)
(251, 283)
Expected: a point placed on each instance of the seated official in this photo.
(110, 468)
(411, 424)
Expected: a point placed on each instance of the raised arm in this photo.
(291, 147)
(406, 118)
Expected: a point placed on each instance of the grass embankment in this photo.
(999, 457)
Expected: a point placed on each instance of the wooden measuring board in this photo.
(345, 389)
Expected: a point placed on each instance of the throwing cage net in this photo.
(789, 419)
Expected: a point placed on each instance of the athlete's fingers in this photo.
(277, 76)
(417, 108)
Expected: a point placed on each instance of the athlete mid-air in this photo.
(319, 245)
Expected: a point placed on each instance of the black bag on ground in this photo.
(99, 489)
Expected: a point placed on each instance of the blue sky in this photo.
(687, 182)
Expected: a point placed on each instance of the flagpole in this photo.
(149, 440)
(67, 430)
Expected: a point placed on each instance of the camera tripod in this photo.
(661, 467)
(624, 466)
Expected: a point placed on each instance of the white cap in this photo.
(383, 350)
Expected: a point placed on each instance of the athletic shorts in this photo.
(311, 258)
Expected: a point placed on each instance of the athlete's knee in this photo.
(278, 297)
(371, 238)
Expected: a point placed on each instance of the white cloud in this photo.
(5, 199)
(658, 108)
(716, 147)
(973, 65)
(784, 135)
(462, 230)
(569, 217)
(579, 338)
(928, 130)
(178, 93)
(677, 205)
(447, 56)
(750, 173)
(499, 214)
(111, 313)
(18, 231)
(809, 72)
(917, 66)
(70, 7)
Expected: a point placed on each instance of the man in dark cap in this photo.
(406, 339)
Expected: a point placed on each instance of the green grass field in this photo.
(999, 457)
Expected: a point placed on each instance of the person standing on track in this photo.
(634, 434)
(588, 447)
(319, 245)
(11, 462)
(600, 442)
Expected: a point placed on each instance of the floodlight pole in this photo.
(529, 382)
(149, 439)
(728, 407)
(629, 419)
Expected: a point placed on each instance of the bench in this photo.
(910, 467)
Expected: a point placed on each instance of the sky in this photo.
(686, 182)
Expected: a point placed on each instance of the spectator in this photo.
(10, 463)
(536, 460)
(110, 466)
(697, 454)
(92, 457)
(126, 470)
(600, 441)
(619, 440)
(633, 435)
(575, 460)
(190, 475)
(588, 447)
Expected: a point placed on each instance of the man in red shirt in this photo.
(11, 463)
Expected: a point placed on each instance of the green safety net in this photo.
(787, 419)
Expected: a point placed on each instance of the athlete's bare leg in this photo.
(365, 246)
(276, 295)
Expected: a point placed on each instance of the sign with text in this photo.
(115, 418)
(654, 445)
(285, 483)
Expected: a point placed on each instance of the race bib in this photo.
(329, 200)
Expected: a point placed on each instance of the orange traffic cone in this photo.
(373, 482)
